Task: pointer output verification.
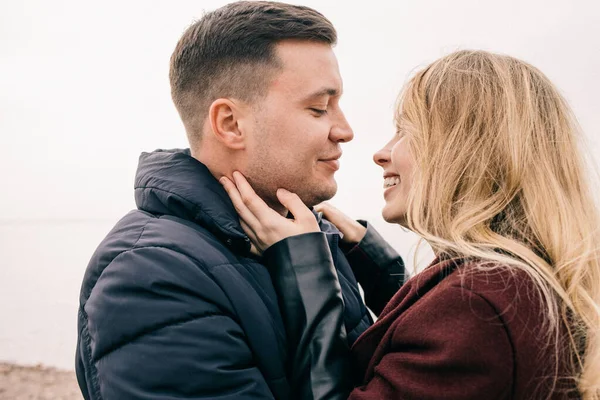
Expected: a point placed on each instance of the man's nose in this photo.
(341, 132)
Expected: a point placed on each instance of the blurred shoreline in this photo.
(38, 382)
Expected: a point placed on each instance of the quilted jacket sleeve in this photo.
(156, 326)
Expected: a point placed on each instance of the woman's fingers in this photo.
(352, 230)
(256, 244)
(243, 211)
(255, 204)
(263, 225)
(292, 202)
(329, 212)
(249, 231)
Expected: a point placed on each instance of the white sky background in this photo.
(84, 89)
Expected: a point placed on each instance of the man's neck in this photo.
(217, 171)
(211, 163)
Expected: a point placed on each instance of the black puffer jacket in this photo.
(174, 306)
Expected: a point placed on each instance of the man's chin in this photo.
(312, 198)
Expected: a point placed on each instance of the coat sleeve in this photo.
(158, 327)
(450, 346)
(310, 300)
(377, 267)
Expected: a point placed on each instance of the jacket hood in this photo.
(172, 182)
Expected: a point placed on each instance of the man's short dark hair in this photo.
(230, 52)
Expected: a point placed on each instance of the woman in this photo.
(485, 167)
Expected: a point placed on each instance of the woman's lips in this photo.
(387, 191)
(390, 182)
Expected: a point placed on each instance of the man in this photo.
(173, 303)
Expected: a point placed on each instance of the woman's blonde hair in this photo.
(501, 177)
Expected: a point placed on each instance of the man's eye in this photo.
(318, 111)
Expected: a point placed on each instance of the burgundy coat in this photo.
(452, 332)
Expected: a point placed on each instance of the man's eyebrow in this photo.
(323, 92)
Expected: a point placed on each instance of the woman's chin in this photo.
(389, 215)
(394, 216)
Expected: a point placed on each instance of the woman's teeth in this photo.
(392, 181)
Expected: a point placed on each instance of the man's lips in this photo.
(334, 164)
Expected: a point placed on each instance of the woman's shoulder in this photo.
(475, 313)
(500, 284)
(504, 295)
(503, 291)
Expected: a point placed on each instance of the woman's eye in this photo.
(318, 111)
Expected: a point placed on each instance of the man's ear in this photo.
(224, 116)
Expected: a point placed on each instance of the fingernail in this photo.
(283, 191)
(222, 181)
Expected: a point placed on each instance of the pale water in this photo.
(42, 267)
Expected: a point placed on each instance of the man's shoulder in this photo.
(149, 275)
(141, 240)
(139, 230)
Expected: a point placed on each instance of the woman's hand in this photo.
(263, 225)
(353, 231)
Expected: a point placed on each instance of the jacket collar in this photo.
(172, 182)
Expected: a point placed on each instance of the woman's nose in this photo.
(382, 157)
